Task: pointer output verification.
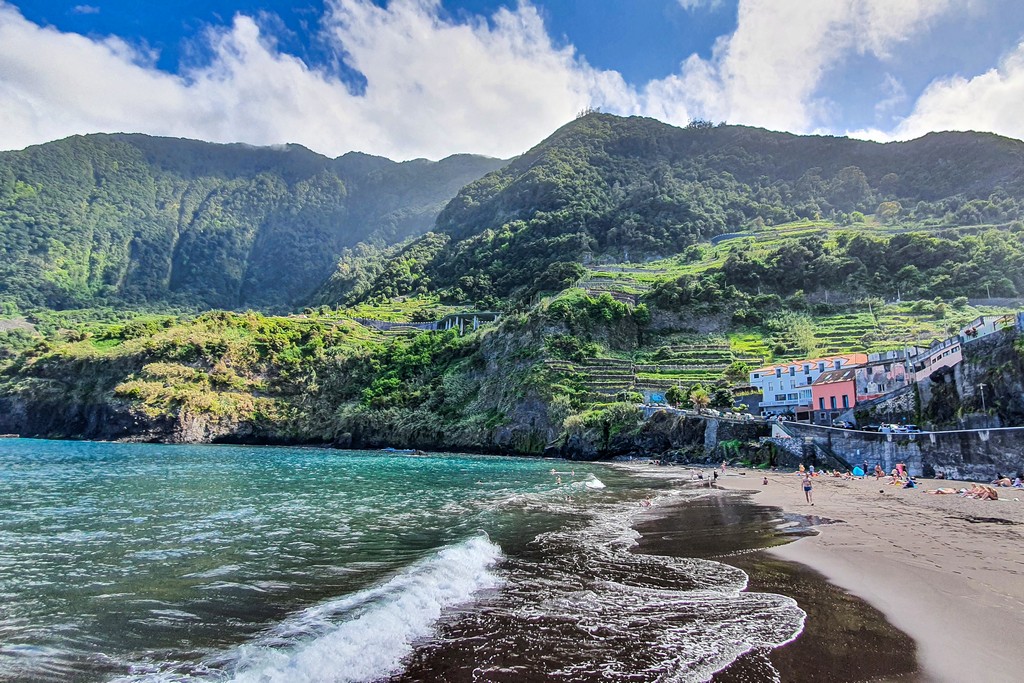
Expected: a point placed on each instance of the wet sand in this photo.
(945, 570)
(845, 640)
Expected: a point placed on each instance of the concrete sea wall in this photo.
(976, 454)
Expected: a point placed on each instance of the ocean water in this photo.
(134, 562)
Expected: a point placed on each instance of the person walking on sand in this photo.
(807, 488)
(723, 467)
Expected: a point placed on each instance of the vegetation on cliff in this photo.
(147, 221)
(771, 247)
(605, 187)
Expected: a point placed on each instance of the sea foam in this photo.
(365, 636)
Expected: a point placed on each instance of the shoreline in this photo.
(947, 571)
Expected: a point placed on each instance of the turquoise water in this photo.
(148, 562)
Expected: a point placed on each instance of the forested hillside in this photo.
(605, 187)
(144, 220)
(626, 257)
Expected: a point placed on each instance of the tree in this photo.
(675, 396)
(722, 397)
(888, 212)
(700, 399)
(738, 372)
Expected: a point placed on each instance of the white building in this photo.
(786, 387)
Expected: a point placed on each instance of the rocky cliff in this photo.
(985, 390)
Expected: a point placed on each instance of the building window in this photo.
(792, 370)
(838, 363)
(846, 401)
(821, 366)
(757, 376)
(832, 402)
(792, 397)
(823, 414)
(771, 386)
(780, 398)
(821, 404)
(809, 381)
(807, 368)
(778, 372)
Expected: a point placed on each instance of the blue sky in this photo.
(407, 78)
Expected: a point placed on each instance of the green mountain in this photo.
(145, 220)
(773, 247)
(611, 188)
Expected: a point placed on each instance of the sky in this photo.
(430, 78)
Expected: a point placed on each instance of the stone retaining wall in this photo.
(964, 454)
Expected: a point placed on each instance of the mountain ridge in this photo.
(160, 221)
(606, 186)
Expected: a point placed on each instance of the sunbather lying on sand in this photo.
(942, 491)
(981, 492)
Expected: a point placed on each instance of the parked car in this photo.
(871, 428)
(842, 424)
(913, 429)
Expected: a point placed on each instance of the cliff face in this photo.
(118, 421)
(985, 390)
(669, 436)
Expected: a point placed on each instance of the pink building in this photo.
(943, 354)
(833, 393)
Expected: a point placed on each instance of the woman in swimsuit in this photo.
(807, 488)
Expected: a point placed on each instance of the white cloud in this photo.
(434, 86)
(690, 5)
(437, 85)
(895, 95)
(768, 72)
(85, 9)
(991, 101)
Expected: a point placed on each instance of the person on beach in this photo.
(879, 472)
(981, 492)
(807, 488)
(714, 475)
(723, 467)
(764, 481)
(988, 493)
